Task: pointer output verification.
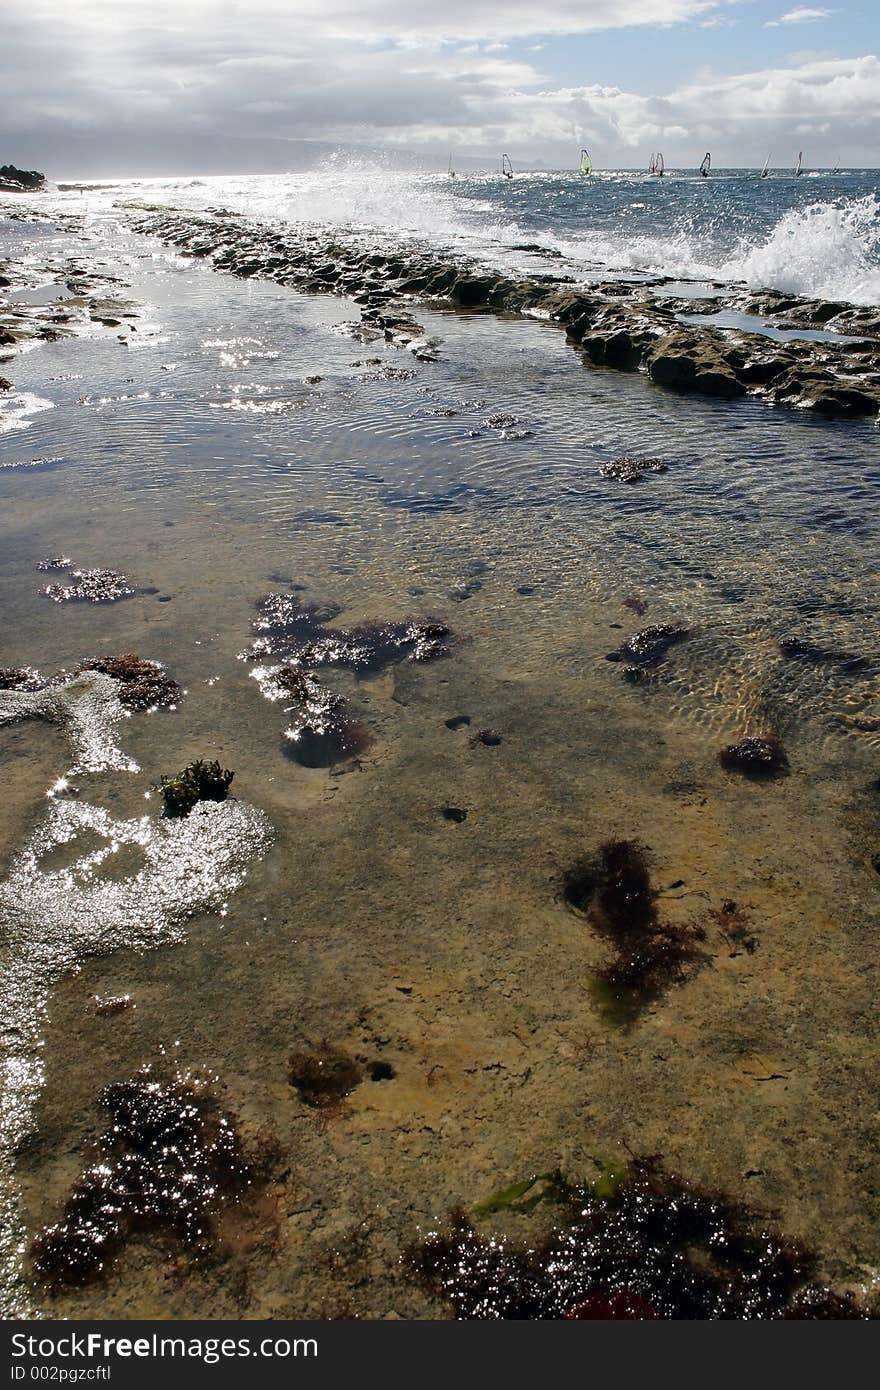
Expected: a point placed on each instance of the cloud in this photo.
(407, 77)
(803, 15)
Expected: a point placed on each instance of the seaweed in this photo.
(614, 890)
(629, 469)
(324, 1078)
(91, 586)
(20, 678)
(145, 685)
(300, 634)
(321, 733)
(198, 781)
(168, 1160)
(759, 759)
(641, 1243)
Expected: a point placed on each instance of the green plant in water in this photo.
(543, 1187)
(198, 781)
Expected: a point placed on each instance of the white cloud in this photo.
(400, 75)
(803, 15)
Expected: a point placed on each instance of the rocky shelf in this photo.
(623, 326)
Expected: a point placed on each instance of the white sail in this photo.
(766, 167)
(506, 166)
(706, 165)
(800, 164)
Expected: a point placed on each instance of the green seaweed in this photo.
(514, 1198)
(198, 781)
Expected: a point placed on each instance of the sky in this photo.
(167, 82)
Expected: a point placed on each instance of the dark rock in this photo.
(647, 647)
(756, 758)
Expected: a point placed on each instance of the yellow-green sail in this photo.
(586, 163)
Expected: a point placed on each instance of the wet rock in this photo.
(23, 678)
(650, 645)
(299, 632)
(756, 758)
(13, 180)
(456, 814)
(108, 1005)
(321, 733)
(168, 1161)
(687, 362)
(4, 384)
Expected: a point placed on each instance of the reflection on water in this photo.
(240, 445)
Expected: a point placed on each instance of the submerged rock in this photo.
(757, 758)
(91, 586)
(649, 646)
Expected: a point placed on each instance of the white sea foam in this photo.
(827, 250)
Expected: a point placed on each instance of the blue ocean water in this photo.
(817, 235)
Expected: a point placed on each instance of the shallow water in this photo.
(204, 461)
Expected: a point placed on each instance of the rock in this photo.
(20, 180)
(757, 758)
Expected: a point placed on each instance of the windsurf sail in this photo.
(800, 164)
(586, 163)
(506, 166)
(451, 170)
(706, 165)
(659, 165)
(651, 166)
(766, 167)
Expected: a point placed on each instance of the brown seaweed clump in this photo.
(324, 1078)
(198, 781)
(638, 1244)
(810, 653)
(91, 586)
(614, 890)
(20, 678)
(168, 1161)
(629, 469)
(648, 647)
(756, 758)
(320, 733)
(145, 685)
(301, 635)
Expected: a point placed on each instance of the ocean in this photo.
(536, 601)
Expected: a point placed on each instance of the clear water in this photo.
(203, 461)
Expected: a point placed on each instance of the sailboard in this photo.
(506, 166)
(586, 163)
(659, 165)
(651, 165)
(766, 167)
(706, 165)
(800, 164)
(451, 170)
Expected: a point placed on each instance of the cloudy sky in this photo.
(167, 78)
